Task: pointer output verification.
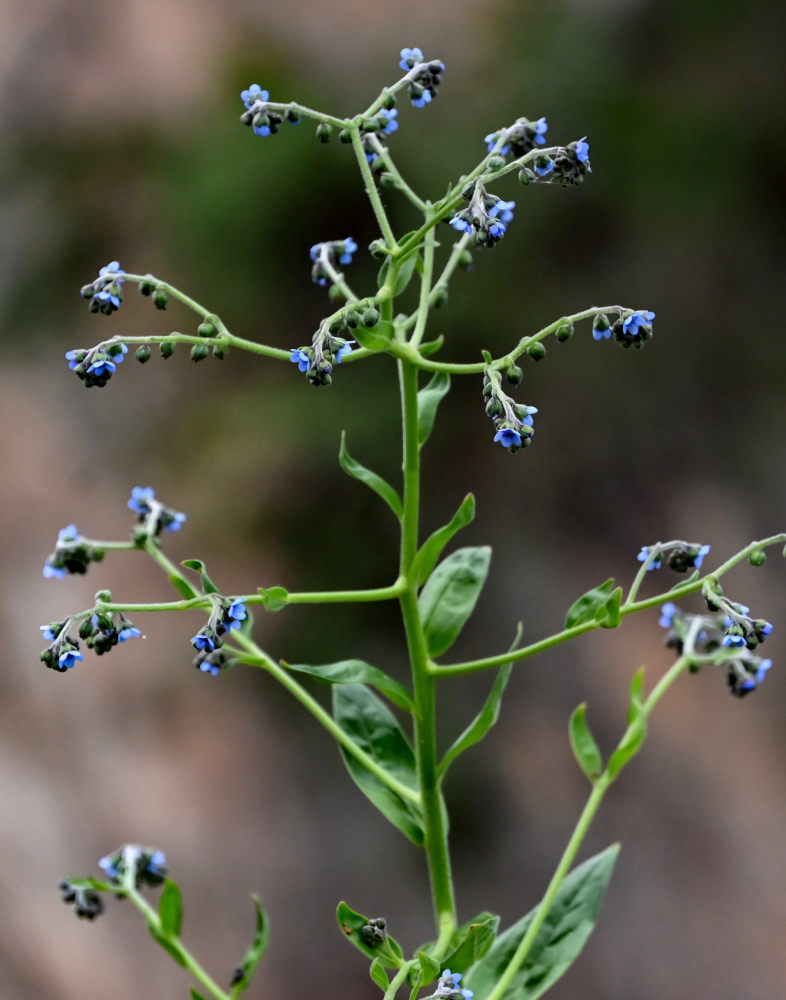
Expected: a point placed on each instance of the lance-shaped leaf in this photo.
(601, 605)
(429, 399)
(483, 721)
(430, 550)
(245, 971)
(371, 479)
(560, 940)
(631, 742)
(196, 995)
(370, 936)
(404, 275)
(357, 672)
(208, 587)
(468, 944)
(378, 975)
(583, 744)
(170, 909)
(375, 338)
(450, 594)
(373, 727)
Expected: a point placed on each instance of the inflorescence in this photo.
(153, 516)
(680, 556)
(424, 76)
(448, 988)
(146, 865)
(263, 119)
(512, 421)
(326, 349)
(228, 613)
(486, 216)
(73, 554)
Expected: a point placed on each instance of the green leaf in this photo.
(357, 672)
(450, 594)
(360, 931)
(485, 718)
(467, 945)
(166, 944)
(371, 479)
(183, 587)
(636, 733)
(583, 744)
(430, 550)
(559, 941)
(429, 347)
(255, 951)
(636, 695)
(429, 398)
(273, 598)
(378, 975)
(404, 275)
(375, 338)
(601, 605)
(195, 995)
(208, 587)
(372, 726)
(170, 909)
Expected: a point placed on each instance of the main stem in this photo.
(423, 682)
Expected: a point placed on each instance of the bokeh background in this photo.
(121, 140)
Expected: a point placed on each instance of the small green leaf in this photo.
(631, 742)
(450, 595)
(430, 347)
(590, 606)
(371, 479)
(208, 587)
(273, 598)
(256, 950)
(429, 967)
(583, 744)
(636, 695)
(467, 945)
(170, 909)
(196, 995)
(429, 398)
(357, 672)
(182, 586)
(376, 338)
(168, 946)
(486, 717)
(359, 930)
(404, 276)
(610, 617)
(372, 726)
(559, 941)
(430, 550)
(378, 975)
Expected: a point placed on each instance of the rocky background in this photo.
(122, 140)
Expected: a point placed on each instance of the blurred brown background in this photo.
(122, 141)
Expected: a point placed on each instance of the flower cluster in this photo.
(512, 421)
(634, 330)
(486, 216)
(105, 293)
(730, 636)
(680, 556)
(73, 554)
(96, 365)
(326, 349)
(327, 256)
(448, 987)
(64, 653)
(259, 115)
(228, 613)
(521, 137)
(85, 900)
(424, 76)
(154, 516)
(384, 122)
(146, 865)
(572, 163)
(103, 630)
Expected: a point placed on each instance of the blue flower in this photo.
(502, 210)
(699, 558)
(157, 864)
(347, 248)
(253, 94)
(210, 668)
(101, 366)
(544, 166)
(301, 359)
(139, 497)
(409, 57)
(421, 100)
(68, 658)
(56, 572)
(448, 987)
(733, 640)
(201, 641)
(461, 224)
(108, 865)
(113, 272)
(582, 150)
(527, 420)
(497, 229)
(667, 613)
(541, 128)
(390, 120)
(601, 334)
(656, 563)
(343, 351)
(766, 628)
(764, 666)
(508, 436)
(129, 632)
(635, 321)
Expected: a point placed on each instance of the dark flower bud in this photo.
(345, 136)
(370, 317)
(757, 558)
(324, 132)
(86, 629)
(207, 328)
(352, 319)
(199, 352)
(86, 902)
(160, 297)
(526, 176)
(87, 291)
(167, 348)
(377, 249)
(465, 260)
(143, 354)
(564, 332)
(514, 375)
(494, 407)
(496, 162)
(440, 296)
(292, 117)
(220, 351)
(147, 287)
(386, 179)
(536, 351)
(261, 121)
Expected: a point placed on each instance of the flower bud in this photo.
(160, 298)
(345, 135)
(207, 329)
(103, 596)
(377, 249)
(220, 351)
(536, 351)
(526, 177)
(370, 317)
(143, 354)
(199, 352)
(564, 331)
(440, 296)
(496, 162)
(324, 132)
(514, 375)
(386, 179)
(758, 557)
(167, 348)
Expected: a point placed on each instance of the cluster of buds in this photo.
(486, 216)
(105, 293)
(152, 515)
(519, 138)
(328, 256)
(103, 630)
(317, 361)
(143, 865)
(73, 554)
(259, 115)
(567, 167)
(96, 365)
(512, 421)
(448, 988)
(728, 634)
(425, 76)
(680, 556)
(384, 122)
(63, 653)
(82, 896)
(228, 613)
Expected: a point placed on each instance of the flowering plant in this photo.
(394, 759)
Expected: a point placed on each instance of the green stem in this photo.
(153, 549)
(371, 188)
(187, 959)
(425, 292)
(422, 681)
(306, 112)
(384, 154)
(398, 981)
(260, 659)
